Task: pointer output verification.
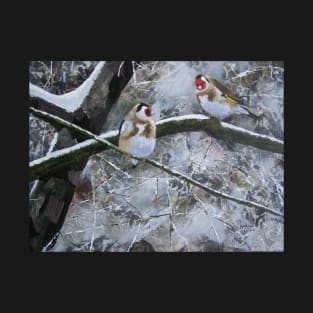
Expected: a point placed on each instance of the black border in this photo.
(171, 44)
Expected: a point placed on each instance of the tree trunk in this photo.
(50, 199)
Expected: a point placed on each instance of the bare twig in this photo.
(181, 236)
(119, 69)
(117, 168)
(217, 237)
(134, 239)
(134, 73)
(94, 220)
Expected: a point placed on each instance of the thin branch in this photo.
(91, 249)
(134, 239)
(134, 73)
(247, 73)
(181, 236)
(36, 166)
(117, 168)
(119, 69)
(217, 237)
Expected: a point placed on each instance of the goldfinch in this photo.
(215, 99)
(137, 132)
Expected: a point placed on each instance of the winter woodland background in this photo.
(118, 214)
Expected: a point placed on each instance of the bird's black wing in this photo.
(225, 91)
(119, 130)
(249, 110)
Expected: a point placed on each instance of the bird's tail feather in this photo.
(248, 111)
(243, 110)
(134, 163)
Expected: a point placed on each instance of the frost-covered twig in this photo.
(203, 158)
(171, 214)
(35, 165)
(119, 69)
(43, 137)
(79, 231)
(181, 236)
(201, 203)
(51, 243)
(117, 168)
(217, 237)
(134, 73)
(94, 220)
(134, 239)
(248, 72)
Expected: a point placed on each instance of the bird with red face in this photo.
(217, 100)
(137, 132)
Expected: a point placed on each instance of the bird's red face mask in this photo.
(200, 84)
(148, 111)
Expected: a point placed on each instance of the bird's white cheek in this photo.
(141, 127)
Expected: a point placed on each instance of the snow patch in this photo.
(183, 117)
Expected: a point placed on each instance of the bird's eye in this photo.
(148, 111)
(200, 84)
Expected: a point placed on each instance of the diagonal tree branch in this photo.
(164, 168)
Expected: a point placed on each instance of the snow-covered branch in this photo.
(219, 130)
(36, 166)
(195, 122)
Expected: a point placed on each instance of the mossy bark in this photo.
(219, 131)
(212, 126)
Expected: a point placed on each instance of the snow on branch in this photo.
(219, 130)
(194, 122)
(36, 166)
(70, 101)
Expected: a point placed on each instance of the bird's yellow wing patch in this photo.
(230, 99)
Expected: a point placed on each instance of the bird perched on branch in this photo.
(137, 132)
(217, 100)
